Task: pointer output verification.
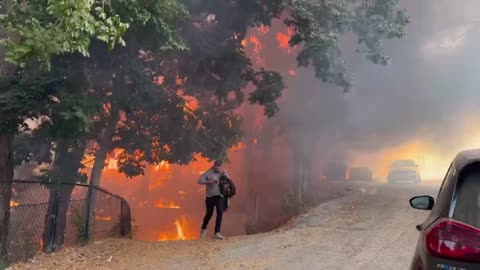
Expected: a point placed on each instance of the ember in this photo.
(169, 205)
(14, 203)
(103, 218)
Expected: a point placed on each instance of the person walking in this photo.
(214, 198)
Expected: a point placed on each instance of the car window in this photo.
(403, 163)
(447, 176)
(467, 205)
(444, 196)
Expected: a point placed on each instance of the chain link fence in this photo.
(48, 216)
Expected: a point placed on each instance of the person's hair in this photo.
(218, 163)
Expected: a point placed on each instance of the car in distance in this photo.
(404, 171)
(336, 170)
(450, 236)
(361, 174)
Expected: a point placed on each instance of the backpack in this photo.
(227, 187)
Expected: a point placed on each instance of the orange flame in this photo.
(159, 80)
(263, 29)
(179, 230)
(14, 203)
(106, 218)
(112, 164)
(190, 101)
(256, 43)
(164, 166)
(169, 205)
(284, 40)
(238, 147)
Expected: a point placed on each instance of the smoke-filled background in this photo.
(423, 106)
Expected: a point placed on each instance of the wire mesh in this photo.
(47, 216)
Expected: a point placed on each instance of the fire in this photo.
(191, 102)
(263, 29)
(284, 40)
(164, 166)
(14, 203)
(112, 164)
(256, 43)
(180, 231)
(244, 43)
(112, 159)
(179, 81)
(238, 147)
(169, 205)
(159, 80)
(103, 218)
(292, 72)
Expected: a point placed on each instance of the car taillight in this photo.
(454, 240)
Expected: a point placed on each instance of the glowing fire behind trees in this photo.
(168, 204)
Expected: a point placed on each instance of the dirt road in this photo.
(372, 228)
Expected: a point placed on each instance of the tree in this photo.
(191, 50)
(35, 32)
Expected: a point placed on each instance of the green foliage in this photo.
(27, 95)
(320, 25)
(195, 42)
(3, 264)
(41, 29)
(160, 18)
(377, 21)
(269, 87)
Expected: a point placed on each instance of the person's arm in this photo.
(203, 180)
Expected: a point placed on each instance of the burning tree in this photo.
(136, 98)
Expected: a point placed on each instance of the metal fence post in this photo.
(122, 222)
(53, 222)
(87, 218)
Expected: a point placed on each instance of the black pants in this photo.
(217, 202)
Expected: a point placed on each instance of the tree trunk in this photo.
(6, 178)
(6, 150)
(65, 168)
(267, 142)
(56, 218)
(105, 145)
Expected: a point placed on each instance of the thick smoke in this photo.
(431, 85)
(428, 93)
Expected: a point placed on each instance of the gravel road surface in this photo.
(372, 227)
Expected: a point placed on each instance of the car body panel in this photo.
(444, 208)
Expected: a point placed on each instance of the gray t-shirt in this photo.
(211, 189)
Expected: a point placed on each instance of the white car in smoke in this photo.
(404, 171)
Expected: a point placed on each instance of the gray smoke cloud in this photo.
(431, 85)
(429, 91)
